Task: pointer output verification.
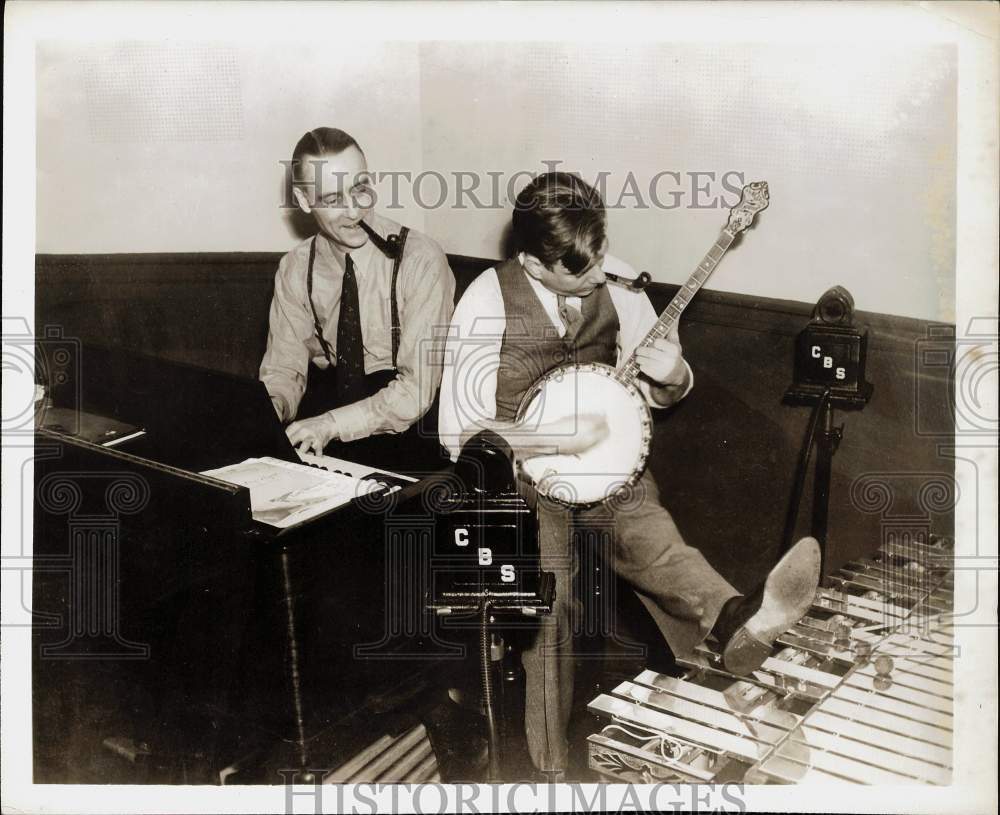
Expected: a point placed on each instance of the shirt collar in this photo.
(544, 294)
(360, 256)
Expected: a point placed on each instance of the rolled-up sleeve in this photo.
(471, 362)
(284, 367)
(426, 296)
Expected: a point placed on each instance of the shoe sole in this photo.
(788, 592)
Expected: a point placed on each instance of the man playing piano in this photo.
(554, 287)
(352, 360)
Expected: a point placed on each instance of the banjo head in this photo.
(607, 468)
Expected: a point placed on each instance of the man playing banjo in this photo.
(545, 307)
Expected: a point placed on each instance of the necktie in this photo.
(350, 351)
(570, 317)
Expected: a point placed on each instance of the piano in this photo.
(178, 640)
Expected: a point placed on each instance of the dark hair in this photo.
(322, 141)
(559, 216)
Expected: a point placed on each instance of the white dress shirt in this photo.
(425, 295)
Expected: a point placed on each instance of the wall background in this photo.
(174, 147)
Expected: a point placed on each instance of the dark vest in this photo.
(531, 345)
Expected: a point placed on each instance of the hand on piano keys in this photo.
(313, 434)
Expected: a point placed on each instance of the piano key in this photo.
(898, 742)
(702, 714)
(674, 727)
(873, 717)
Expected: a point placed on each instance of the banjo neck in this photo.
(755, 197)
(628, 372)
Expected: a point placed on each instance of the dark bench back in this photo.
(724, 458)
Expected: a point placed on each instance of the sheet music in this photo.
(283, 494)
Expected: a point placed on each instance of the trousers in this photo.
(674, 581)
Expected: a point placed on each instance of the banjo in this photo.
(616, 463)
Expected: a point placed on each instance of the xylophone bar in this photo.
(859, 690)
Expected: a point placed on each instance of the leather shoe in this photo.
(748, 626)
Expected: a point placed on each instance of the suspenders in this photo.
(395, 246)
(309, 293)
(397, 241)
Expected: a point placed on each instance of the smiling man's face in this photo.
(337, 190)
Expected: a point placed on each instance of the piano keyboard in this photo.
(391, 481)
(860, 690)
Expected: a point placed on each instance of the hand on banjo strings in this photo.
(567, 436)
(663, 361)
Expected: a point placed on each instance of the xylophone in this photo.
(860, 690)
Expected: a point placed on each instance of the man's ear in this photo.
(533, 266)
(302, 200)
